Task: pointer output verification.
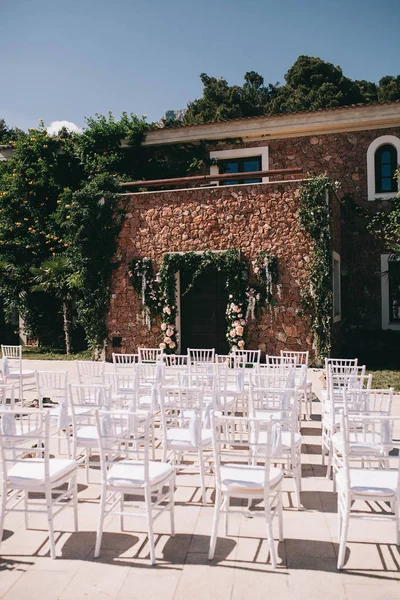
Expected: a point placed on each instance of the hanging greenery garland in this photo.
(317, 295)
(158, 295)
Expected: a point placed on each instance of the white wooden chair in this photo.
(149, 355)
(53, 386)
(83, 401)
(126, 469)
(90, 372)
(13, 371)
(379, 484)
(282, 406)
(238, 476)
(337, 384)
(122, 362)
(28, 468)
(246, 358)
(183, 427)
(196, 355)
(303, 385)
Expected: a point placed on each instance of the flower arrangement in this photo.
(160, 298)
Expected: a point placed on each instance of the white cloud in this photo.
(55, 127)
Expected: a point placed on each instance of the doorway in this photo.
(202, 311)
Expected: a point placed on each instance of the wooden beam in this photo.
(211, 178)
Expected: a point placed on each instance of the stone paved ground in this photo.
(240, 570)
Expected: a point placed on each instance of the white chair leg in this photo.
(214, 530)
(51, 523)
(26, 514)
(203, 483)
(343, 537)
(397, 521)
(297, 486)
(101, 521)
(280, 518)
(149, 515)
(3, 511)
(75, 501)
(121, 504)
(271, 542)
(172, 505)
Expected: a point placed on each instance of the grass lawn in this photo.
(385, 378)
(44, 353)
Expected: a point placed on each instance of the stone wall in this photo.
(245, 217)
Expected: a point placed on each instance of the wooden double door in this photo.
(202, 311)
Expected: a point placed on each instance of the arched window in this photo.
(385, 168)
(383, 156)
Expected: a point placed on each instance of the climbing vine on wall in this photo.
(158, 294)
(317, 295)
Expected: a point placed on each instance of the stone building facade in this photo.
(341, 143)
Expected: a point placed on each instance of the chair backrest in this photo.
(11, 352)
(149, 355)
(372, 438)
(122, 361)
(270, 399)
(236, 441)
(246, 358)
(301, 358)
(176, 361)
(11, 359)
(24, 436)
(272, 377)
(341, 365)
(196, 355)
(123, 389)
(368, 401)
(7, 396)
(90, 371)
(52, 385)
(84, 400)
(223, 359)
(181, 407)
(114, 426)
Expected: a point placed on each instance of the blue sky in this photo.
(64, 60)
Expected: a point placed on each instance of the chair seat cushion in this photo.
(371, 445)
(247, 479)
(179, 436)
(370, 482)
(30, 471)
(87, 435)
(130, 474)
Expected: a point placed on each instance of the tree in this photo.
(389, 89)
(56, 277)
(8, 135)
(310, 84)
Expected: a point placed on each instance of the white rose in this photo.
(172, 345)
(162, 346)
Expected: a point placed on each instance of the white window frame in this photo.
(386, 324)
(336, 258)
(373, 147)
(241, 153)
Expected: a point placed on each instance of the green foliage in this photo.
(311, 84)
(159, 296)
(9, 134)
(317, 295)
(58, 200)
(385, 224)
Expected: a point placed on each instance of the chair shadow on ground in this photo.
(317, 555)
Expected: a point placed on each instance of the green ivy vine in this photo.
(158, 294)
(317, 294)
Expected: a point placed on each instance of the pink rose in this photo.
(163, 326)
(232, 333)
(162, 346)
(242, 322)
(241, 344)
(167, 340)
(172, 345)
(239, 330)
